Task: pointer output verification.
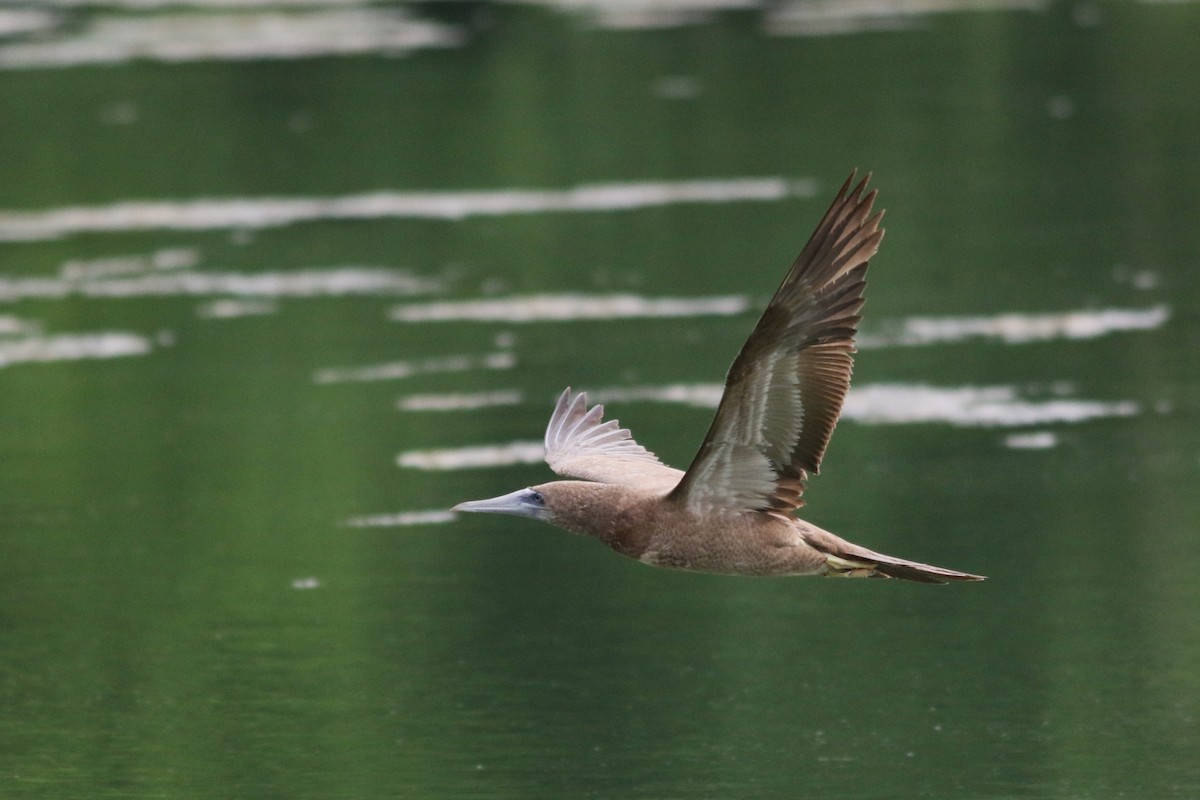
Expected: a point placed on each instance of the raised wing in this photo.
(785, 389)
(579, 444)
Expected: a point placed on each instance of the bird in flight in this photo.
(732, 511)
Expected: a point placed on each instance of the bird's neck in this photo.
(620, 516)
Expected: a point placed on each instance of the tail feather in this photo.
(846, 560)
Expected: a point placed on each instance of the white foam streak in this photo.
(397, 370)
(806, 18)
(460, 401)
(96, 268)
(11, 325)
(700, 395)
(652, 15)
(23, 21)
(214, 36)
(72, 347)
(1033, 440)
(1015, 328)
(568, 307)
(150, 5)
(970, 406)
(874, 404)
(232, 309)
(401, 519)
(488, 455)
(335, 281)
(1010, 328)
(271, 212)
(895, 404)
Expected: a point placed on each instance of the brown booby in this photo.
(731, 512)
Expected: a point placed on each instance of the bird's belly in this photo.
(760, 554)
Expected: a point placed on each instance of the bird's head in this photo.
(608, 512)
(535, 503)
(578, 506)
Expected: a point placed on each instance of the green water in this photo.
(208, 587)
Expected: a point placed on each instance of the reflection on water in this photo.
(984, 406)
(1011, 328)
(253, 213)
(460, 401)
(403, 519)
(78, 269)
(1034, 440)
(1019, 328)
(807, 18)
(11, 324)
(182, 36)
(229, 309)
(72, 347)
(234, 424)
(565, 307)
(332, 282)
(872, 404)
(306, 583)
(875, 404)
(238, 30)
(397, 370)
(487, 455)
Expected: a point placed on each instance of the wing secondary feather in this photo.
(785, 389)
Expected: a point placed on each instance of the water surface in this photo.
(280, 284)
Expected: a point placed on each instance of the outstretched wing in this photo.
(785, 389)
(580, 445)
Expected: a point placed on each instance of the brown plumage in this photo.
(731, 512)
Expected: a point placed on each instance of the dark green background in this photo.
(156, 510)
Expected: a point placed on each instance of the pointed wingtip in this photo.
(846, 184)
(572, 397)
(845, 191)
(862, 184)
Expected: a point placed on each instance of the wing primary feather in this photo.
(784, 391)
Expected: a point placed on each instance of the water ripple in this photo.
(401, 519)
(334, 281)
(248, 213)
(174, 37)
(567, 307)
(72, 347)
(873, 404)
(397, 370)
(487, 455)
(1016, 328)
(460, 401)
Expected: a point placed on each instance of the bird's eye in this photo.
(538, 498)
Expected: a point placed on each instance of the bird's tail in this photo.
(846, 560)
(880, 566)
